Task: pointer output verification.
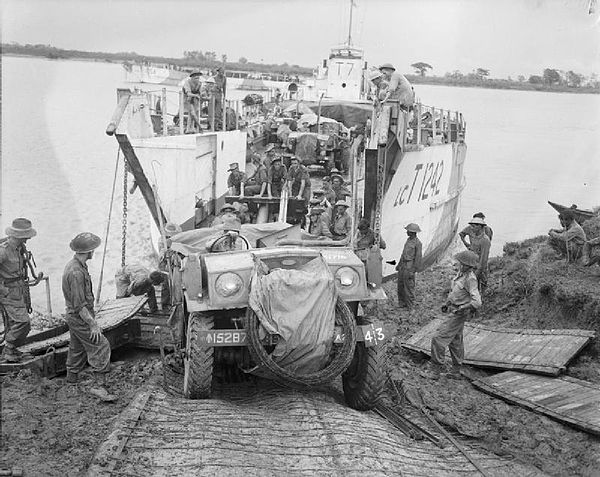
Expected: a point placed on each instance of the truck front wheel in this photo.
(199, 358)
(363, 381)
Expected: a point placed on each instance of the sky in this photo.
(508, 37)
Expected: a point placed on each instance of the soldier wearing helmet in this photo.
(87, 343)
(398, 87)
(569, 241)
(463, 299)
(192, 95)
(410, 262)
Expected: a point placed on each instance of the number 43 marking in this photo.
(373, 335)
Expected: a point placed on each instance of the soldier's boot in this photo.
(72, 378)
(99, 390)
(10, 354)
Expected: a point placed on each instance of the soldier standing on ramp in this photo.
(87, 343)
(410, 262)
(463, 299)
(15, 303)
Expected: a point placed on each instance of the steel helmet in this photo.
(477, 221)
(413, 228)
(85, 242)
(387, 66)
(374, 74)
(468, 258)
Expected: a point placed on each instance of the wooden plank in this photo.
(535, 351)
(573, 402)
(108, 453)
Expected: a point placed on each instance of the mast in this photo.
(349, 41)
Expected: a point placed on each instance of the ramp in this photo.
(265, 430)
(568, 400)
(534, 351)
(49, 348)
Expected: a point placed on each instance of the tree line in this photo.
(190, 59)
(550, 79)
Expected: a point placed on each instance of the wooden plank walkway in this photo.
(533, 351)
(252, 429)
(568, 400)
(110, 315)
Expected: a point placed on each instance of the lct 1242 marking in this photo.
(425, 183)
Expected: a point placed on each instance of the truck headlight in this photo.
(346, 277)
(228, 284)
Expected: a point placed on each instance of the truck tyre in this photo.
(198, 363)
(364, 381)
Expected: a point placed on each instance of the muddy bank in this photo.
(528, 288)
(51, 428)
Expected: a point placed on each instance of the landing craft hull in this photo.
(425, 189)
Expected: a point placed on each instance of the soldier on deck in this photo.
(256, 185)
(570, 240)
(329, 192)
(227, 212)
(409, 263)
(318, 226)
(341, 222)
(235, 181)
(87, 344)
(276, 177)
(192, 88)
(298, 179)
(15, 302)
(398, 87)
(337, 186)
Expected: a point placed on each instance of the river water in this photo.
(524, 148)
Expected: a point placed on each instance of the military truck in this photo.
(220, 330)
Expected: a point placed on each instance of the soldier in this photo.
(227, 212)
(329, 192)
(341, 222)
(591, 252)
(365, 239)
(192, 87)
(319, 194)
(137, 280)
(468, 231)
(463, 299)
(236, 179)
(317, 226)
(257, 184)
(298, 179)
(409, 263)
(480, 244)
(87, 343)
(398, 87)
(337, 186)
(570, 240)
(15, 302)
(276, 177)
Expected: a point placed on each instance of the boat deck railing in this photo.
(441, 125)
(169, 116)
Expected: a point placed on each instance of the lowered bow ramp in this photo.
(262, 430)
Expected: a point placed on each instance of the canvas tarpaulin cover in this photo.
(299, 306)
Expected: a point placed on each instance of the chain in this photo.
(124, 224)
